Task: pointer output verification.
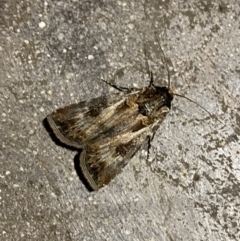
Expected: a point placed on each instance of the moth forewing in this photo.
(104, 158)
(74, 125)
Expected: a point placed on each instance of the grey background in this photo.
(54, 53)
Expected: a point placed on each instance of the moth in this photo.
(111, 129)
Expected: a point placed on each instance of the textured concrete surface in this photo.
(54, 53)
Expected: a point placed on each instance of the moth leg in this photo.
(119, 88)
(119, 73)
(150, 138)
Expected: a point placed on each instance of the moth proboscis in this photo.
(111, 129)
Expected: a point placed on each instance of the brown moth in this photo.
(111, 129)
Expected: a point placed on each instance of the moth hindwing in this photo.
(111, 129)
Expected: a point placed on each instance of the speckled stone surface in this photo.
(54, 53)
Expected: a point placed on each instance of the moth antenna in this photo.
(150, 74)
(165, 60)
(194, 103)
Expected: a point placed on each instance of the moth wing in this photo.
(102, 160)
(76, 124)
